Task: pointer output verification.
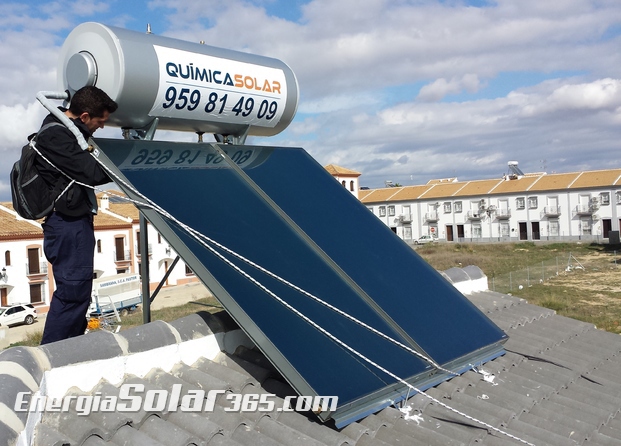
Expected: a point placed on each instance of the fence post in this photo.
(527, 276)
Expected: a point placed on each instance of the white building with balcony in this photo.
(26, 277)
(539, 206)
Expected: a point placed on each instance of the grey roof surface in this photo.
(558, 384)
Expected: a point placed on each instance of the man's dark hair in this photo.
(93, 101)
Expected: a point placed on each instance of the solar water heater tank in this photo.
(187, 86)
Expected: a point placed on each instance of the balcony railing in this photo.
(32, 269)
(149, 249)
(122, 256)
(551, 211)
(585, 209)
(503, 214)
(432, 216)
(474, 215)
(405, 218)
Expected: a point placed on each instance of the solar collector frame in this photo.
(282, 210)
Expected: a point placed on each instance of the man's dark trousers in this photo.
(69, 244)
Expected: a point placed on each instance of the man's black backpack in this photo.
(32, 197)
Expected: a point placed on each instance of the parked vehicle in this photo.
(18, 314)
(424, 239)
(120, 292)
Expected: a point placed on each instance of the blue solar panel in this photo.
(286, 213)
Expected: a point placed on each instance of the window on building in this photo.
(457, 206)
(520, 203)
(553, 228)
(619, 197)
(119, 246)
(370, 208)
(585, 226)
(351, 186)
(391, 211)
(159, 238)
(382, 211)
(447, 207)
(504, 229)
(604, 198)
(99, 246)
(188, 271)
(36, 296)
(407, 232)
(532, 203)
(476, 230)
(34, 266)
(7, 258)
(343, 183)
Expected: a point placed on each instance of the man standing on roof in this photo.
(68, 232)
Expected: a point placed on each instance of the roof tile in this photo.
(338, 170)
(597, 178)
(569, 375)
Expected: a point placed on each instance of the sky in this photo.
(399, 90)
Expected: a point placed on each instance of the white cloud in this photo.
(440, 88)
(361, 65)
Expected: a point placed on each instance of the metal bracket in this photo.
(238, 140)
(146, 133)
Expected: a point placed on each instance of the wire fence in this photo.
(536, 274)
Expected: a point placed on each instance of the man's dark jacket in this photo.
(61, 147)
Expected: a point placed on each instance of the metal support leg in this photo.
(163, 281)
(144, 270)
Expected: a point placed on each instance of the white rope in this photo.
(150, 204)
(198, 235)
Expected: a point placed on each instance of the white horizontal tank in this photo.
(187, 86)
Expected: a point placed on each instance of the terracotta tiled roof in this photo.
(409, 193)
(103, 219)
(11, 226)
(553, 182)
(338, 170)
(534, 182)
(441, 190)
(480, 187)
(598, 178)
(128, 210)
(442, 180)
(363, 193)
(514, 186)
(384, 194)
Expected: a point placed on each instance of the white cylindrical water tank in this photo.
(187, 86)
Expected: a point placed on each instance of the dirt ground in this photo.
(596, 276)
(594, 272)
(179, 295)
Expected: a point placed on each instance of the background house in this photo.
(562, 207)
(27, 277)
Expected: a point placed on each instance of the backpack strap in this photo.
(47, 126)
(61, 185)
